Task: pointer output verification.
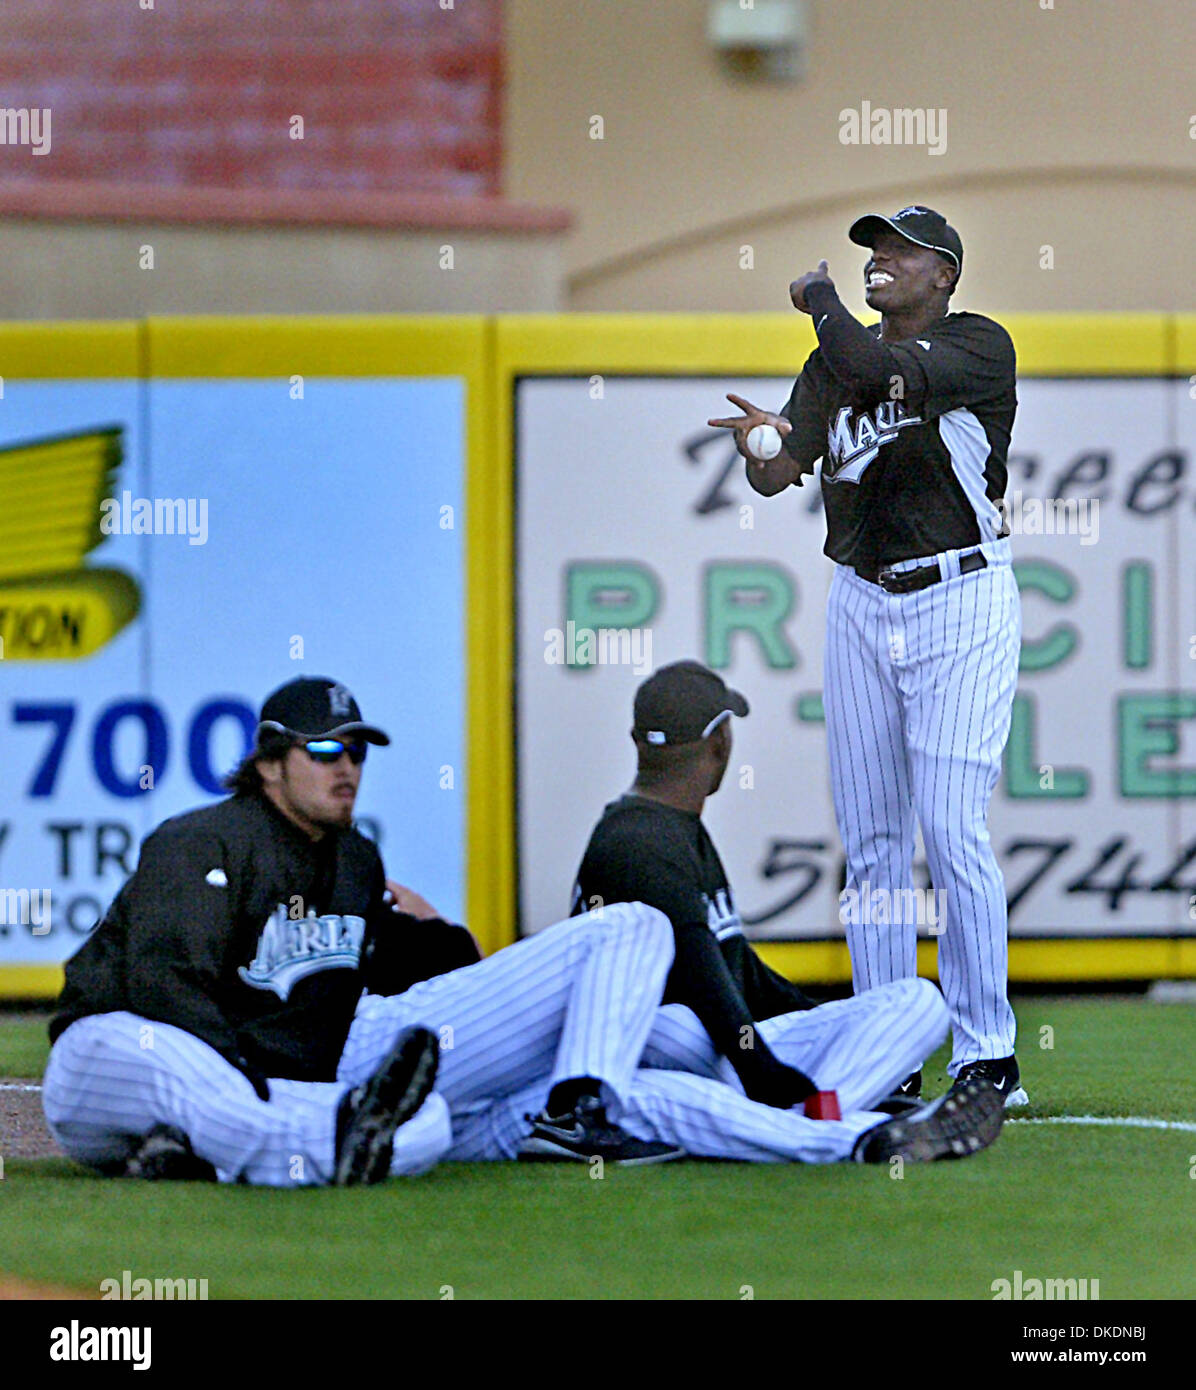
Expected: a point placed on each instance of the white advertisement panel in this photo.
(632, 513)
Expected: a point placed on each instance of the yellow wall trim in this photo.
(1030, 962)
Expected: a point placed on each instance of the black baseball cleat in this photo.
(585, 1133)
(166, 1155)
(958, 1124)
(371, 1112)
(1001, 1073)
(905, 1099)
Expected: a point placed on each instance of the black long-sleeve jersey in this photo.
(913, 435)
(242, 930)
(643, 850)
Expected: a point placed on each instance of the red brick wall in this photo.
(396, 95)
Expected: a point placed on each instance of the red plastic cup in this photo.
(823, 1105)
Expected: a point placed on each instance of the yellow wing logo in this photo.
(53, 608)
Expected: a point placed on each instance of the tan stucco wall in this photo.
(1067, 127)
(53, 269)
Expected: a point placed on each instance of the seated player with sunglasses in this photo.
(202, 1028)
(243, 928)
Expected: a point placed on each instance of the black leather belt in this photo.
(894, 581)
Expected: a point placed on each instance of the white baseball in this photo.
(764, 442)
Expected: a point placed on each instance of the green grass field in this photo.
(1116, 1204)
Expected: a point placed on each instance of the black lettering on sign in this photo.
(787, 857)
(64, 830)
(715, 498)
(1083, 471)
(113, 841)
(1158, 473)
(1022, 466)
(1169, 881)
(1114, 889)
(1051, 851)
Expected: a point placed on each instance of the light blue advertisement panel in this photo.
(189, 545)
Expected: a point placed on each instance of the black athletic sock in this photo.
(344, 1113)
(563, 1097)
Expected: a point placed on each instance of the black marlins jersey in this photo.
(239, 929)
(644, 851)
(907, 478)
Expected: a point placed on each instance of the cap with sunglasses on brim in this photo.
(682, 703)
(310, 708)
(922, 226)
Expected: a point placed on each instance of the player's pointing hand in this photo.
(743, 424)
(797, 290)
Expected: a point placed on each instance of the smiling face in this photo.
(901, 276)
(316, 796)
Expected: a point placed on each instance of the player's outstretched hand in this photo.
(743, 424)
(797, 290)
(772, 1082)
(406, 900)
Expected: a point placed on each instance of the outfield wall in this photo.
(417, 505)
(325, 466)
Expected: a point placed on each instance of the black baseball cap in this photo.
(682, 703)
(922, 226)
(313, 707)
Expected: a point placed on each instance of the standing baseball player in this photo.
(203, 1025)
(912, 419)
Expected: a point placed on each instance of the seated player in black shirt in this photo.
(651, 846)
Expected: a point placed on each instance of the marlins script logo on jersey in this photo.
(722, 916)
(854, 439)
(290, 950)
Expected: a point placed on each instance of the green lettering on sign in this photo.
(755, 598)
(809, 708)
(1024, 770)
(1053, 582)
(1147, 729)
(1137, 605)
(608, 594)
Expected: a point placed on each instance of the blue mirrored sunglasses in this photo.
(329, 750)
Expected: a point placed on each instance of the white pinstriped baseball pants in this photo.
(112, 1077)
(576, 999)
(687, 1094)
(918, 693)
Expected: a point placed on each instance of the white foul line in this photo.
(1119, 1122)
(1124, 1121)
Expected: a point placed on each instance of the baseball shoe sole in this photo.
(371, 1113)
(961, 1123)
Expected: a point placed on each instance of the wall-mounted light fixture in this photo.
(760, 39)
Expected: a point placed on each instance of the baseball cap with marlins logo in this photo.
(313, 707)
(682, 703)
(922, 226)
